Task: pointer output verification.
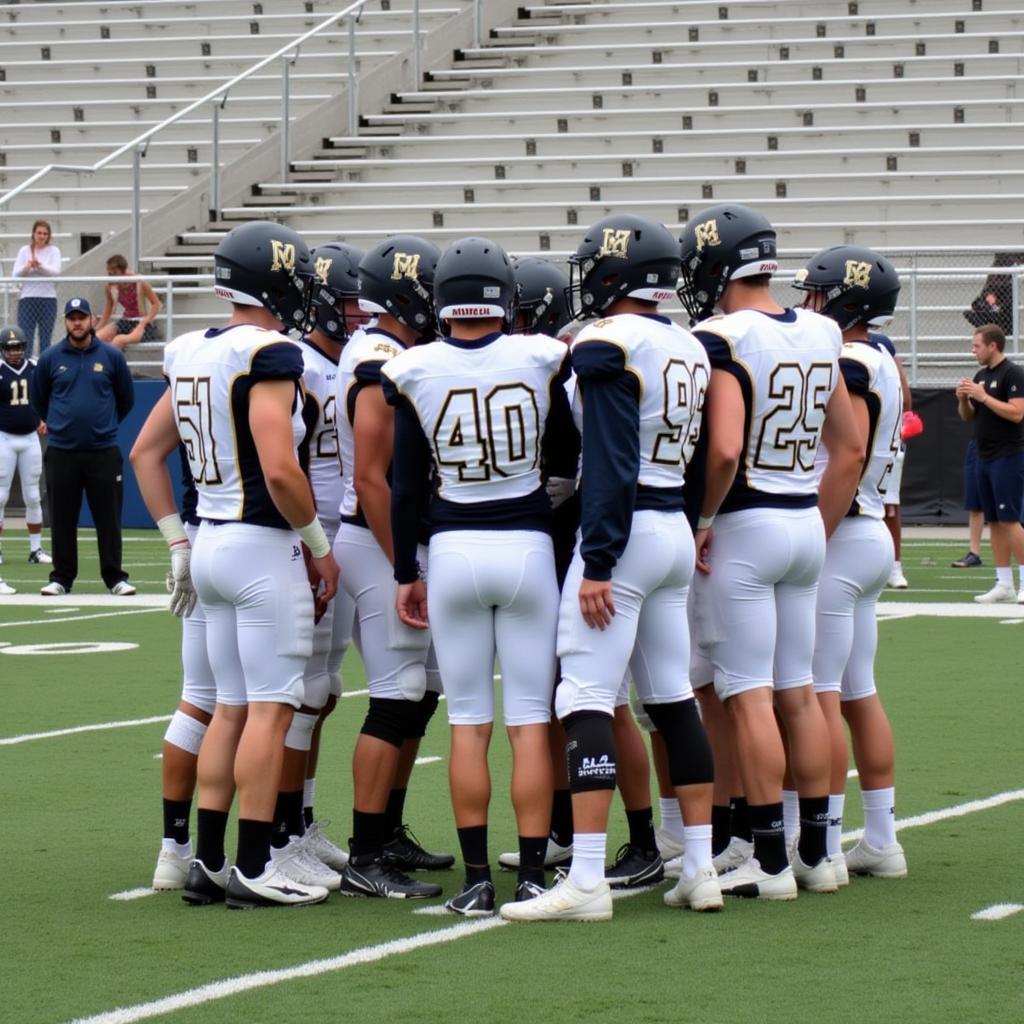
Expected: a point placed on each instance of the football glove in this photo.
(179, 581)
(912, 425)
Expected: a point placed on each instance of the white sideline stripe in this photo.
(997, 912)
(83, 618)
(946, 609)
(956, 811)
(262, 979)
(428, 760)
(132, 894)
(73, 602)
(371, 954)
(852, 773)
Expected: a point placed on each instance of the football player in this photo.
(641, 384)
(20, 452)
(858, 289)
(775, 392)
(395, 282)
(235, 401)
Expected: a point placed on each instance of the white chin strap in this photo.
(233, 295)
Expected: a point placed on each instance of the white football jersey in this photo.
(320, 377)
(673, 371)
(483, 408)
(787, 366)
(210, 374)
(365, 352)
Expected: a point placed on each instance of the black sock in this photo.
(813, 829)
(253, 846)
(531, 858)
(641, 829)
(176, 814)
(367, 834)
(307, 816)
(561, 817)
(395, 810)
(720, 834)
(210, 829)
(473, 844)
(769, 837)
(739, 819)
(287, 818)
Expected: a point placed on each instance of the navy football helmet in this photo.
(857, 285)
(475, 279)
(336, 265)
(397, 277)
(13, 345)
(543, 295)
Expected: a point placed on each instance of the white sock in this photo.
(1004, 575)
(671, 817)
(697, 855)
(35, 541)
(790, 815)
(897, 566)
(308, 792)
(588, 852)
(180, 849)
(833, 843)
(879, 817)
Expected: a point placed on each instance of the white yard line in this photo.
(132, 894)
(73, 602)
(10, 741)
(997, 912)
(83, 618)
(428, 760)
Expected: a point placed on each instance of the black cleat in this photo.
(475, 900)
(203, 886)
(527, 890)
(377, 876)
(271, 889)
(634, 867)
(406, 854)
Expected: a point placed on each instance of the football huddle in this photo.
(476, 468)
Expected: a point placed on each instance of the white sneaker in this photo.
(122, 589)
(39, 557)
(820, 878)
(318, 846)
(999, 593)
(897, 580)
(668, 845)
(53, 589)
(866, 860)
(701, 892)
(736, 853)
(749, 880)
(271, 889)
(6, 589)
(295, 863)
(553, 856)
(171, 869)
(563, 902)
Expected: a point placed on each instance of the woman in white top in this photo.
(39, 261)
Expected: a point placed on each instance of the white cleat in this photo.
(701, 892)
(997, 595)
(738, 852)
(318, 846)
(897, 580)
(553, 857)
(674, 867)
(39, 557)
(750, 881)
(172, 869)
(295, 863)
(122, 588)
(563, 902)
(53, 589)
(668, 845)
(6, 589)
(820, 878)
(1020, 596)
(841, 872)
(866, 860)
(271, 889)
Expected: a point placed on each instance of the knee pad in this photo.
(300, 733)
(5, 493)
(316, 687)
(185, 732)
(33, 503)
(426, 707)
(590, 751)
(412, 681)
(689, 753)
(392, 721)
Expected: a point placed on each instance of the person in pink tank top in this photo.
(130, 293)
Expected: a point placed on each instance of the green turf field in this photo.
(82, 821)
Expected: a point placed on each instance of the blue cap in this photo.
(77, 306)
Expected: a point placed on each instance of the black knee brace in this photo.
(590, 752)
(426, 708)
(392, 721)
(689, 753)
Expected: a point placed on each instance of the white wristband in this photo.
(315, 539)
(173, 529)
(705, 522)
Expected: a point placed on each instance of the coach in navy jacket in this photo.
(82, 389)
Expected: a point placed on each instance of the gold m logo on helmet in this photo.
(858, 275)
(615, 243)
(322, 268)
(707, 234)
(282, 255)
(407, 264)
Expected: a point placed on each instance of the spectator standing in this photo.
(994, 303)
(994, 403)
(130, 292)
(972, 505)
(38, 262)
(82, 389)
